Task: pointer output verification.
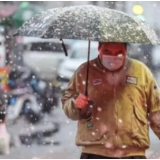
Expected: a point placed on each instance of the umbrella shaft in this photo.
(87, 75)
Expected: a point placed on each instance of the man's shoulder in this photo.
(138, 65)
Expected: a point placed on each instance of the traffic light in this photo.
(138, 10)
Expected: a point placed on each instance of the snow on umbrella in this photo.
(89, 23)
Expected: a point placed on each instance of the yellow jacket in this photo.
(125, 103)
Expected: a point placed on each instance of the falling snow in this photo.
(120, 121)
(94, 65)
(99, 109)
(83, 82)
(93, 133)
(124, 146)
(97, 118)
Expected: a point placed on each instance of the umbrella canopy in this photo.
(89, 23)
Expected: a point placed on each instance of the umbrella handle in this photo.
(64, 47)
(87, 74)
(87, 111)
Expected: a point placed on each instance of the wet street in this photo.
(64, 146)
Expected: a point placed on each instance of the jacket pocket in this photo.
(140, 135)
(139, 116)
(88, 130)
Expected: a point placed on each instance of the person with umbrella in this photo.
(125, 97)
(117, 97)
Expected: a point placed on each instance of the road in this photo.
(66, 148)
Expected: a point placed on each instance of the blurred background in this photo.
(35, 72)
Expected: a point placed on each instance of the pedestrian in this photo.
(126, 100)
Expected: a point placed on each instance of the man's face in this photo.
(112, 49)
(112, 55)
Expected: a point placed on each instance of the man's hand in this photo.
(82, 101)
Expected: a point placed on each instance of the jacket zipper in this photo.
(114, 93)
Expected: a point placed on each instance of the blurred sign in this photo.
(4, 78)
(7, 10)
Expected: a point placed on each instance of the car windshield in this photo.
(55, 47)
(82, 53)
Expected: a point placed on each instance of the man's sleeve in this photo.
(154, 106)
(69, 97)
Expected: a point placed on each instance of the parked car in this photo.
(77, 56)
(43, 55)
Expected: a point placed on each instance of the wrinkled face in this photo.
(112, 49)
